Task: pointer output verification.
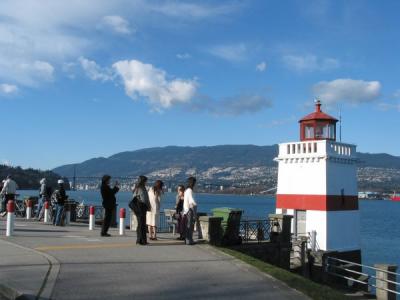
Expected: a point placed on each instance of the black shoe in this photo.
(105, 234)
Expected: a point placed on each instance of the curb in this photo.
(46, 289)
(7, 292)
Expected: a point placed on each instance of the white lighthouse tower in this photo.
(317, 185)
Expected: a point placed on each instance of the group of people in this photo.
(146, 206)
(56, 199)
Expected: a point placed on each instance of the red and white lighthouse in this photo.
(317, 185)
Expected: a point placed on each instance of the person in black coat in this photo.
(109, 202)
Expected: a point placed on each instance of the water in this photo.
(380, 230)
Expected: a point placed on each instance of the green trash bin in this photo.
(230, 224)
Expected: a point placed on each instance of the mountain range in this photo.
(225, 164)
(28, 179)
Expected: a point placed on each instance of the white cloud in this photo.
(118, 24)
(183, 56)
(278, 123)
(233, 53)
(60, 31)
(94, 71)
(6, 88)
(32, 39)
(347, 90)
(231, 106)
(27, 73)
(69, 68)
(145, 80)
(310, 63)
(396, 94)
(193, 11)
(262, 66)
(43, 69)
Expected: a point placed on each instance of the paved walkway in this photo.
(75, 263)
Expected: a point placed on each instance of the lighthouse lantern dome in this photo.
(318, 125)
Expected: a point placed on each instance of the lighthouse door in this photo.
(300, 218)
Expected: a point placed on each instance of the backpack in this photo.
(49, 192)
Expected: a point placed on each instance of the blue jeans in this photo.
(40, 206)
(59, 212)
(190, 219)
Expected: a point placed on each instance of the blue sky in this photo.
(83, 79)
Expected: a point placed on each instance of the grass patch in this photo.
(304, 285)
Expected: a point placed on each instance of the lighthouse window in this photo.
(319, 131)
(309, 132)
(331, 131)
(325, 131)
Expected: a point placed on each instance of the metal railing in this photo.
(342, 268)
(255, 230)
(82, 212)
(165, 223)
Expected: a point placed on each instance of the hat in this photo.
(43, 180)
(60, 181)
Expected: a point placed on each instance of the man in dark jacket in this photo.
(60, 197)
(109, 202)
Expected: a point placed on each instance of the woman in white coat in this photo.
(153, 215)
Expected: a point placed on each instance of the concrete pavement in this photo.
(74, 263)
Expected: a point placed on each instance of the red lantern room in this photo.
(318, 125)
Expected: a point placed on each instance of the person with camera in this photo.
(109, 202)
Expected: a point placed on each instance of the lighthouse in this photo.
(317, 185)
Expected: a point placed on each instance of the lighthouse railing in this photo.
(316, 148)
(383, 280)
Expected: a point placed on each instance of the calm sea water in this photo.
(380, 228)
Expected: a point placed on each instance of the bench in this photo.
(169, 219)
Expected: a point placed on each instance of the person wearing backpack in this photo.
(60, 197)
(109, 202)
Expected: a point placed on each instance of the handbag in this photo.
(133, 203)
(176, 216)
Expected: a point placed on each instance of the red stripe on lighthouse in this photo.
(317, 202)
